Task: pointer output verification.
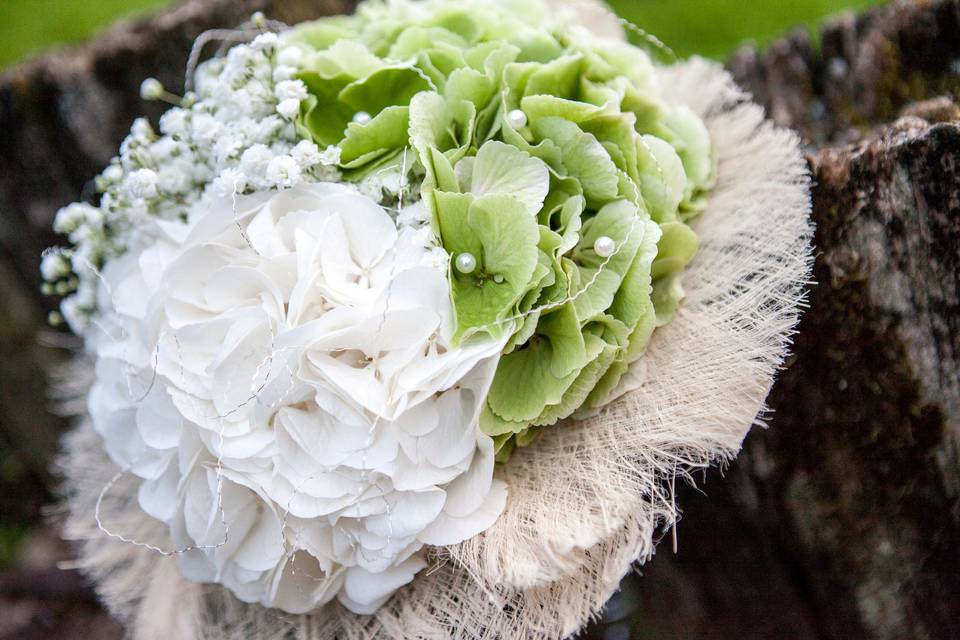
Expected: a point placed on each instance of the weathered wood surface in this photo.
(840, 521)
(843, 519)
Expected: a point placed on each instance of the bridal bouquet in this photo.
(403, 323)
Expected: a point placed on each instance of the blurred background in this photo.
(706, 27)
(750, 564)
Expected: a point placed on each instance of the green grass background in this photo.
(708, 27)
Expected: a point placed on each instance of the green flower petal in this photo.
(601, 277)
(524, 385)
(503, 238)
(662, 177)
(326, 117)
(503, 169)
(633, 305)
(344, 58)
(382, 136)
(692, 145)
(547, 106)
(667, 294)
(675, 250)
(416, 39)
(387, 87)
(562, 329)
(602, 356)
(583, 157)
(559, 78)
(321, 34)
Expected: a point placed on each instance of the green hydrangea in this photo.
(597, 153)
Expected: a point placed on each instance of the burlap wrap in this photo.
(587, 499)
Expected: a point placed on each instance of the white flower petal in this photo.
(365, 592)
(449, 530)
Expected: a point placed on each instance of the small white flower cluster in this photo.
(235, 135)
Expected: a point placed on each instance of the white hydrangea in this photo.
(304, 366)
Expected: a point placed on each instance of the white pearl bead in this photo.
(517, 119)
(362, 117)
(465, 263)
(151, 89)
(498, 279)
(604, 246)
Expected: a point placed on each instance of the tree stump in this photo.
(842, 520)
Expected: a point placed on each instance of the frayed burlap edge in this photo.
(587, 498)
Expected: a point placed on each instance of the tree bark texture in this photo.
(842, 520)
